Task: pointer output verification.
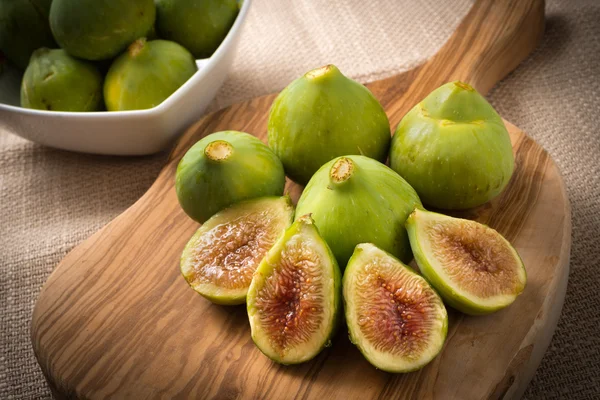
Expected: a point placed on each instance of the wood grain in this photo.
(116, 319)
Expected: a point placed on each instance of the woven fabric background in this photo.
(52, 200)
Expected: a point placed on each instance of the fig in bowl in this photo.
(198, 25)
(100, 29)
(54, 80)
(24, 28)
(147, 74)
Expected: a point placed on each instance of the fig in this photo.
(224, 168)
(56, 81)
(453, 148)
(472, 266)
(147, 74)
(323, 115)
(219, 260)
(355, 199)
(198, 25)
(100, 29)
(24, 28)
(295, 296)
(397, 321)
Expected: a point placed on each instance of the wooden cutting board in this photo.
(116, 319)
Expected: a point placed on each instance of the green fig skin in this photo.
(224, 168)
(453, 296)
(24, 28)
(355, 199)
(453, 148)
(55, 81)
(100, 29)
(147, 74)
(323, 115)
(198, 25)
(302, 230)
(367, 254)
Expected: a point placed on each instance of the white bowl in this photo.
(122, 132)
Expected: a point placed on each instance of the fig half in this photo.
(472, 266)
(295, 296)
(397, 321)
(355, 199)
(219, 260)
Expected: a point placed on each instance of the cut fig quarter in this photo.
(474, 268)
(395, 318)
(219, 260)
(295, 296)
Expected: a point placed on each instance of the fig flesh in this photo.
(219, 260)
(471, 265)
(55, 81)
(453, 148)
(323, 115)
(198, 25)
(295, 296)
(147, 74)
(224, 168)
(100, 29)
(355, 199)
(397, 321)
(24, 28)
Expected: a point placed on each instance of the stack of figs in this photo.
(342, 250)
(114, 55)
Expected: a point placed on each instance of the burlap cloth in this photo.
(52, 200)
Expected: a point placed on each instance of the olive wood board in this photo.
(116, 319)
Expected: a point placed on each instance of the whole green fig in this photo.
(224, 168)
(100, 29)
(56, 81)
(355, 199)
(198, 25)
(453, 148)
(323, 115)
(24, 28)
(146, 74)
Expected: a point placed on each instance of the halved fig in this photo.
(295, 296)
(397, 321)
(219, 260)
(471, 265)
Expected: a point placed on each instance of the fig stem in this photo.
(322, 73)
(464, 86)
(219, 150)
(136, 47)
(341, 170)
